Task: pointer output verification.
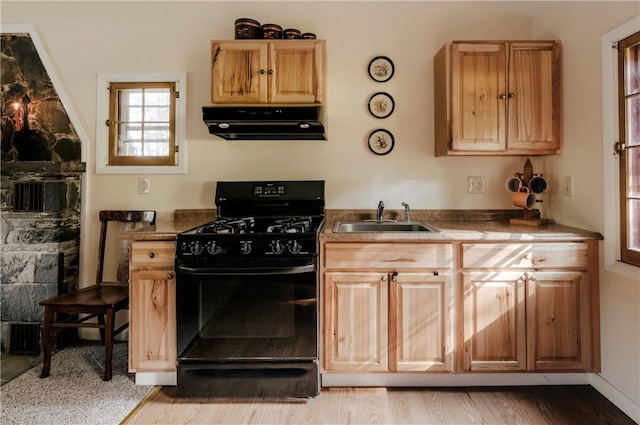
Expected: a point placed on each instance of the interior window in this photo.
(142, 123)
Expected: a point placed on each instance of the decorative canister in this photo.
(309, 36)
(271, 31)
(247, 28)
(292, 34)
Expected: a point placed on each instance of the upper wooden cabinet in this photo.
(498, 98)
(268, 72)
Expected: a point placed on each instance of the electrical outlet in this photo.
(475, 184)
(144, 185)
(567, 186)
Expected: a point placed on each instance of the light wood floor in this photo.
(514, 405)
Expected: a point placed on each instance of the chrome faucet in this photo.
(380, 211)
(407, 212)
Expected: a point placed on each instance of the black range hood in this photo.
(264, 123)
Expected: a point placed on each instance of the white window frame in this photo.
(102, 130)
(611, 242)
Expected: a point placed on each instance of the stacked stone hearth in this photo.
(41, 173)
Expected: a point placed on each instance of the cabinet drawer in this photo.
(388, 256)
(153, 254)
(536, 255)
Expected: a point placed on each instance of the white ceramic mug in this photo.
(513, 184)
(524, 198)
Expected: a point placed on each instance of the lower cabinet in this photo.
(152, 293)
(388, 320)
(460, 307)
(533, 319)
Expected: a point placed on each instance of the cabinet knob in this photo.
(262, 71)
(170, 276)
(383, 278)
(503, 96)
(270, 72)
(511, 95)
(394, 277)
(152, 255)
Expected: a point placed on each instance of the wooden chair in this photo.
(101, 300)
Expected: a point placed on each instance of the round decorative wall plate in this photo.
(381, 69)
(381, 105)
(381, 141)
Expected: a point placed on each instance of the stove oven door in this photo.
(249, 332)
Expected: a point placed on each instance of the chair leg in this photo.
(101, 321)
(47, 342)
(108, 343)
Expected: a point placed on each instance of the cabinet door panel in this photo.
(421, 330)
(295, 71)
(494, 321)
(239, 72)
(356, 322)
(534, 108)
(152, 345)
(478, 79)
(559, 336)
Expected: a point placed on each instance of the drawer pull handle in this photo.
(152, 255)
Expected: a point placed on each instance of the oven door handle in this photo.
(204, 271)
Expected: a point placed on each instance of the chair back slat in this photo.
(130, 219)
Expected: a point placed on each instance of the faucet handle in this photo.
(407, 212)
(379, 211)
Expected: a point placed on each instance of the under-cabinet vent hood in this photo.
(264, 123)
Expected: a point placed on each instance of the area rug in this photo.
(74, 393)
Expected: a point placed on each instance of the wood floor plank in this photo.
(539, 405)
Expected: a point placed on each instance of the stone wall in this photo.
(39, 250)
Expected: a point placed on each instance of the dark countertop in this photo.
(454, 225)
(167, 230)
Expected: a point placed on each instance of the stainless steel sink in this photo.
(380, 226)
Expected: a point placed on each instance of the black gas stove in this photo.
(250, 237)
(246, 293)
(266, 221)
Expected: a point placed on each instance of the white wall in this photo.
(87, 38)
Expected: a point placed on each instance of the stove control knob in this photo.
(245, 247)
(196, 248)
(294, 247)
(213, 248)
(277, 247)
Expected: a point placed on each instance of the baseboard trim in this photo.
(451, 380)
(156, 378)
(615, 396)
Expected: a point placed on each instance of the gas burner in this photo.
(290, 225)
(227, 226)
